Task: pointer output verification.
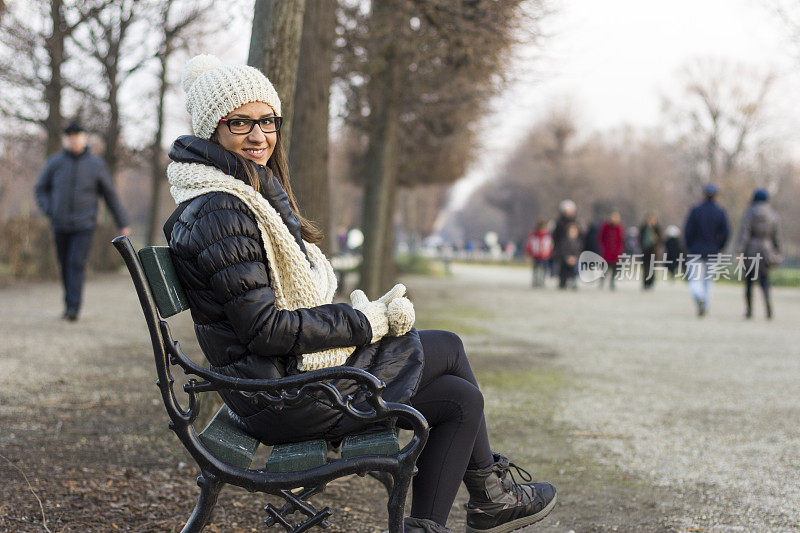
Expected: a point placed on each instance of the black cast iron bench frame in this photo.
(224, 452)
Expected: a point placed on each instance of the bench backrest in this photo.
(160, 272)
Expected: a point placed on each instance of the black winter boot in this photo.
(498, 504)
(422, 525)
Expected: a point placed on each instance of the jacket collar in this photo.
(73, 155)
(191, 149)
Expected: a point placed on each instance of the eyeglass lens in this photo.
(245, 125)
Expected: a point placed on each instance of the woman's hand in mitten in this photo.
(395, 292)
(400, 313)
(374, 311)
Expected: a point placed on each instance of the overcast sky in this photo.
(610, 61)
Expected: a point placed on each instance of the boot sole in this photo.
(519, 522)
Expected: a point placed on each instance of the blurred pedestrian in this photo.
(706, 231)
(612, 244)
(571, 246)
(341, 240)
(567, 211)
(631, 246)
(539, 248)
(650, 242)
(758, 246)
(674, 249)
(67, 192)
(590, 238)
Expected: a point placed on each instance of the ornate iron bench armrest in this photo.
(292, 389)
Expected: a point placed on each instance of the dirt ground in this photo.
(698, 434)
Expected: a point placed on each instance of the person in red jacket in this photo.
(539, 247)
(612, 244)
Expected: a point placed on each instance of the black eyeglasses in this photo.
(243, 126)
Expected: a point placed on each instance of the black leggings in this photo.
(763, 280)
(449, 398)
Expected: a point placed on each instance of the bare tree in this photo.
(110, 38)
(35, 53)
(173, 38)
(788, 11)
(275, 49)
(630, 171)
(308, 158)
(719, 113)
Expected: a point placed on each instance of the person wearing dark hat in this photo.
(758, 246)
(67, 192)
(706, 232)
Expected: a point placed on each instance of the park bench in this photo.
(224, 451)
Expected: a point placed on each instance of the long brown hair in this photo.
(280, 168)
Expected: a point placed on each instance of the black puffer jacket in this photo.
(68, 188)
(219, 257)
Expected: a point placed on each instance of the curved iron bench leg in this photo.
(209, 490)
(397, 497)
(385, 478)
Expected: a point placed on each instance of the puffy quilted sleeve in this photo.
(230, 256)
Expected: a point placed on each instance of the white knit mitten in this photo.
(399, 310)
(400, 313)
(374, 311)
(395, 292)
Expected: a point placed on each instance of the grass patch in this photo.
(779, 277)
(539, 380)
(417, 264)
(508, 263)
(467, 320)
(460, 328)
(785, 277)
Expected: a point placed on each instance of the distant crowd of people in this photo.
(556, 247)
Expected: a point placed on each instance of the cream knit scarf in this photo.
(295, 282)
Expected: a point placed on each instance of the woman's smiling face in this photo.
(256, 146)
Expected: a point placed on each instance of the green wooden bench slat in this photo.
(297, 456)
(160, 273)
(383, 443)
(227, 442)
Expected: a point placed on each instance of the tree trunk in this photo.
(157, 152)
(275, 49)
(381, 166)
(308, 159)
(52, 92)
(388, 270)
(112, 131)
(262, 15)
(381, 175)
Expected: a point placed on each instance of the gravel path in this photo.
(706, 408)
(703, 414)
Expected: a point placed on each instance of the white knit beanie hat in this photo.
(214, 89)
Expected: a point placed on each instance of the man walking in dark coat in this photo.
(706, 233)
(67, 192)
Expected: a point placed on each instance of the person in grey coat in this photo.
(758, 246)
(67, 193)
